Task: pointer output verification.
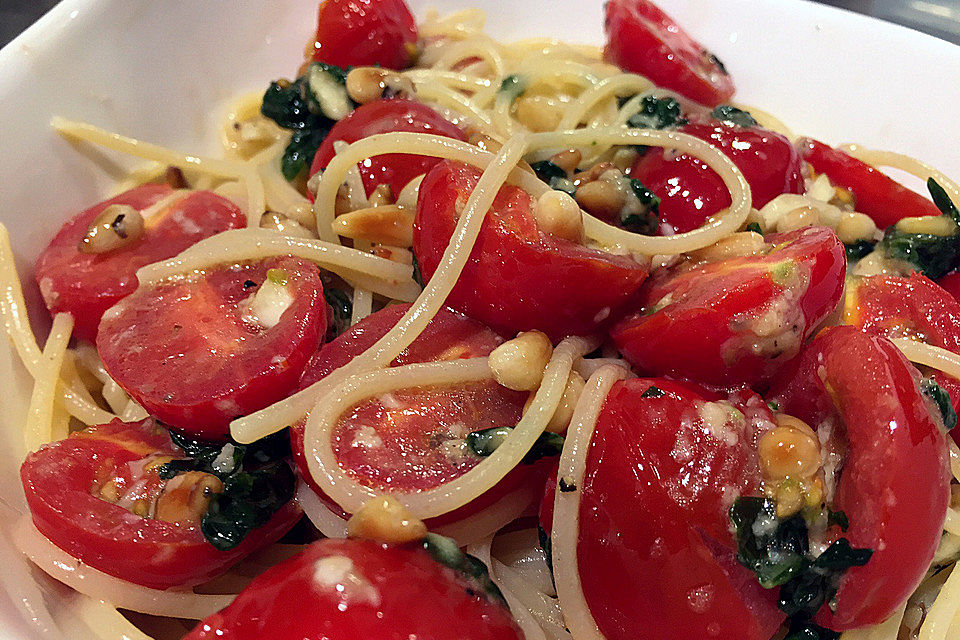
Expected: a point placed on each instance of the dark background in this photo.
(937, 17)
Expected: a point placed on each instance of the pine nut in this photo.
(567, 160)
(559, 215)
(788, 452)
(518, 364)
(117, 226)
(185, 497)
(790, 498)
(384, 519)
(537, 113)
(855, 226)
(600, 198)
(744, 243)
(366, 84)
(410, 193)
(381, 195)
(386, 224)
(797, 219)
(283, 224)
(560, 419)
(933, 225)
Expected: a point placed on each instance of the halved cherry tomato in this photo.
(690, 192)
(951, 282)
(862, 388)
(359, 590)
(737, 320)
(359, 33)
(87, 284)
(519, 277)
(882, 198)
(387, 116)
(641, 38)
(84, 494)
(413, 439)
(195, 353)
(657, 558)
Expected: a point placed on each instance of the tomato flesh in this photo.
(357, 590)
(690, 192)
(387, 116)
(62, 482)
(883, 199)
(737, 320)
(187, 351)
(518, 277)
(642, 39)
(951, 283)
(665, 567)
(865, 391)
(85, 285)
(363, 33)
(411, 439)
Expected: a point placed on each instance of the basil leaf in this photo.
(445, 551)
(857, 250)
(485, 441)
(657, 113)
(942, 200)
(728, 114)
(941, 399)
(341, 305)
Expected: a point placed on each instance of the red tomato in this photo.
(690, 192)
(363, 33)
(67, 482)
(866, 392)
(875, 194)
(191, 354)
(518, 277)
(642, 39)
(411, 440)
(359, 590)
(387, 116)
(661, 474)
(951, 282)
(737, 320)
(86, 284)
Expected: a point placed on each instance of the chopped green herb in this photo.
(774, 406)
(755, 227)
(417, 273)
(513, 86)
(486, 441)
(257, 482)
(858, 250)
(547, 545)
(728, 114)
(652, 392)
(547, 170)
(277, 276)
(941, 399)
(809, 631)
(566, 487)
(942, 200)
(933, 255)
(565, 185)
(657, 113)
(778, 552)
(646, 220)
(445, 551)
(341, 306)
(838, 518)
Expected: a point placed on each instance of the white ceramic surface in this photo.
(161, 70)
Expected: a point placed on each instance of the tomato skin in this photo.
(519, 278)
(883, 199)
(397, 593)
(648, 563)
(387, 116)
(57, 481)
(184, 351)
(448, 336)
(364, 33)
(690, 191)
(86, 285)
(642, 39)
(951, 283)
(896, 452)
(716, 312)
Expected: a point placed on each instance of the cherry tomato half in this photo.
(658, 560)
(198, 352)
(387, 116)
(690, 192)
(518, 277)
(883, 199)
(85, 493)
(413, 439)
(865, 391)
(87, 284)
(358, 590)
(951, 283)
(737, 320)
(363, 33)
(642, 39)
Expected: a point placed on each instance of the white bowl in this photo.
(161, 71)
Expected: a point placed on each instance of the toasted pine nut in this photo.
(797, 219)
(387, 224)
(743, 243)
(787, 452)
(560, 419)
(518, 364)
(933, 225)
(855, 226)
(567, 160)
(185, 497)
(624, 158)
(559, 215)
(592, 173)
(409, 194)
(381, 195)
(366, 84)
(384, 519)
(117, 226)
(283, 224)
(537, 113)
(600, 198)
